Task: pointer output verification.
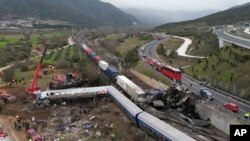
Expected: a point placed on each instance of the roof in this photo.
(207, 92)
(172, 68)
(164, 128)
(233, 104)
(112, 68)
(131, 84)
(130, 106)
(72, 91)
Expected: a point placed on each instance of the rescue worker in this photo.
(10, 118)
(18, 119)
(190, 85)
(246, 115)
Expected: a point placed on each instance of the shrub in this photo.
(132, 58)
(24, 68)
(62, 64)
(75, 58)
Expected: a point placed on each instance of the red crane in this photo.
(33, 87)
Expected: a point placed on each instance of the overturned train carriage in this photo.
(72, 93)
(159, 129)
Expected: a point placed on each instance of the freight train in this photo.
(134, 91)
(169, 71)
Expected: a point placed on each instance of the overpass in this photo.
(226, 37)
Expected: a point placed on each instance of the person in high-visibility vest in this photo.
(246, 115)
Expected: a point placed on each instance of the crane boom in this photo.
(33, 87)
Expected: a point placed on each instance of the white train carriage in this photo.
(84, 46)
(160, 129)
(72, 93)
(128, 107)
(103, 65)
(134, 91)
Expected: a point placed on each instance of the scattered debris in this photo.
(7, 97)
(158, 104)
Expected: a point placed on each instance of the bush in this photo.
(8, 75)
(147, 37)
(62, 64)
(75, 58)
(58, 55)
(160, 50)
(24, 68)
(246, 57)
(132, 58)
(173, 54)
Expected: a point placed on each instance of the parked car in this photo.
(231, 106)
(206, 94)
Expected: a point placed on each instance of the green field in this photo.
(21, 45)
(112, 37)
(34, 38)
(127, 45)
(8, 39)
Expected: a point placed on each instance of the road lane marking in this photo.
(197, 86)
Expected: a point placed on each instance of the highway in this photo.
(236, 40)
(219, 99)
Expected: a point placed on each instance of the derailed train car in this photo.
(157, 128)
(134, 91)
(71, 93)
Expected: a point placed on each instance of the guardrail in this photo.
(218, 90)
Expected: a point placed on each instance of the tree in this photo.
(231, 78)
(24, 68)
(8, 75)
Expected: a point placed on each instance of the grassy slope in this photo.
(128, 45)
(123, 47)
(142, 68)
(172, 45)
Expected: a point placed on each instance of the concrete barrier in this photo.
(221, 119)
(149, 81)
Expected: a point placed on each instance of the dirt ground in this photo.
(77, 120)
(8, 127)
(91, 121)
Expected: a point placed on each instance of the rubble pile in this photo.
(88, 121)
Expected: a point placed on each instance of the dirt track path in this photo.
(9, 128)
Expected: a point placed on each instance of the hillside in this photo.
(229, 16)
(228, 69)
(154, 17)
(90, 13)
